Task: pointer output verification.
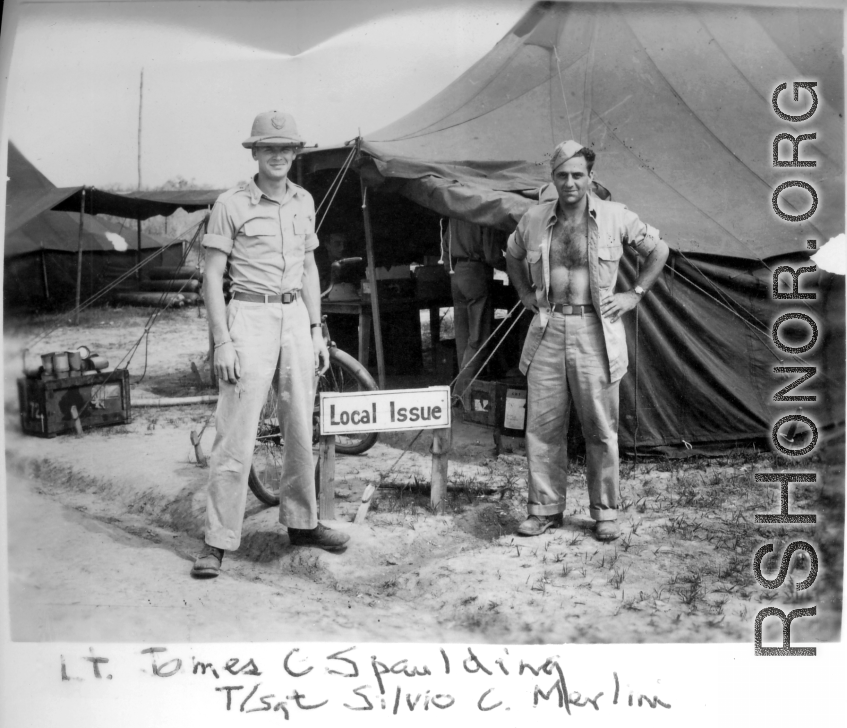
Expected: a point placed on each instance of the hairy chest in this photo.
(569, 245)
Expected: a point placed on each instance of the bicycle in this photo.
(345, 374)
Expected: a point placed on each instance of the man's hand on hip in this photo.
(614, 305)
(321, 352)
(530, 302)
(227, 366)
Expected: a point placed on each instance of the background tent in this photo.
(42, 244)
(676, 100)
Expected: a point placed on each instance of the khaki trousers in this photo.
(267, 336)
(571, 364)
(473, 316)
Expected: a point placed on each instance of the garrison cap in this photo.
(563, 152)
(274, 128)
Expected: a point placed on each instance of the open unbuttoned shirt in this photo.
(610, 226)
(266, 240)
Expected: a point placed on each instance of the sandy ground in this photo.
(102, 532)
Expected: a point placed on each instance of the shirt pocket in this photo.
(304, 225)
(261, 227)
(609, 257)
(536, 268)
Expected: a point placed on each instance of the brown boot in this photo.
(208, 564)
(322, 537)
(536, 525)
(606, 530)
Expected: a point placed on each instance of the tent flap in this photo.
(681, 122)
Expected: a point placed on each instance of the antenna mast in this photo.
(140, 102)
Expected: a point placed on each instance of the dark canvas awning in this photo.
(140, 205)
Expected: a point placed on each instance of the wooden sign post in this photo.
(384, 411)
(441, 440)
(326, 486)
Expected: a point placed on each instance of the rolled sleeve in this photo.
(219, 231)
(311, 242)
(311, 238)
(640, 235)
(516, 247)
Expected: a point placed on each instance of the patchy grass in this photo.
(681, 571)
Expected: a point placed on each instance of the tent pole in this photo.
(44, 272)
(635, 394)
(79, 257)
(377, 321)
(138, 253)
(140, 103)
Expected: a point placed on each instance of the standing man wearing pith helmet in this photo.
(576, 346)
(265, 230)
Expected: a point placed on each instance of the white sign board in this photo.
(385, 411)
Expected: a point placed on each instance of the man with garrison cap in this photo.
(265, 230)
(576, 347)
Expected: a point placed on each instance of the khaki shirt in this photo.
(467, 240)
(266, 241)
(610, 226)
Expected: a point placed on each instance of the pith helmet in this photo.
(274, 128)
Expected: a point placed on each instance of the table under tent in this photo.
(682, 125)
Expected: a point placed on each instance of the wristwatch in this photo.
(639, 290)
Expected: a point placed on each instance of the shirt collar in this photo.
(292, 190)
(592, 204)
(554, 204)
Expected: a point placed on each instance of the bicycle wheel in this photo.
(345, 374)
(266, 469)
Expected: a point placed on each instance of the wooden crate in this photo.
(485, 403)
(100, 399)
(499, 405)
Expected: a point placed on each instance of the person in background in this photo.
(327, 254)
(471, 254)
(265, 230)
(563, 260)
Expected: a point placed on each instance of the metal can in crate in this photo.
(514, 411)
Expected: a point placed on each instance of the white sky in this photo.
(209, 66)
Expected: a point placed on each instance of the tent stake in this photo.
(377, 321)
(79, 257)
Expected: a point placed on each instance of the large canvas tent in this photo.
(677, 103)
(43, 237)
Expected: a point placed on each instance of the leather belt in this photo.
(289, 297)
(463, 259)
(566, 310)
